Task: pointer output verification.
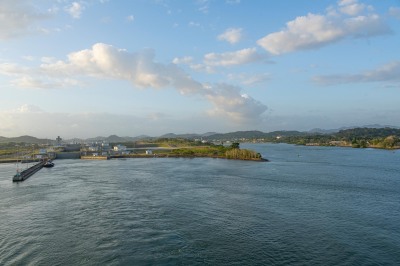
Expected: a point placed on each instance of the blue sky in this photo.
(102, 67)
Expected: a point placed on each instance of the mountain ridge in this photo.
(236, 135)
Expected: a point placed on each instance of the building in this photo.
(119, 148)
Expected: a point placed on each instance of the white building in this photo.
(119, 148)
(93, 148)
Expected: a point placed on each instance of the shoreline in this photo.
(138, 156)
(182, 156)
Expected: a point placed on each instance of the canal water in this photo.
(307, 206)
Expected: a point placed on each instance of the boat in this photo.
(22, 175)
(48, 164)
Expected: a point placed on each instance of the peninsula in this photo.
(103, 150)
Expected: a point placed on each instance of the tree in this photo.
(235, 145)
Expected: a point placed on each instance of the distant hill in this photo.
(368, 133)
(255, 134)
(183, 136)
(208, 134)
(323, 131)
(26, 139)
(169, 136)
(345, 133)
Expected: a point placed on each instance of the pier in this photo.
(25, 174)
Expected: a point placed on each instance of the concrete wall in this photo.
(68, 155)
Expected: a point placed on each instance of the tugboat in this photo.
(48, 164)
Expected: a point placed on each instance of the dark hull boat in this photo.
(48, 164)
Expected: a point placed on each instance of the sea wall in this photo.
(68, 155)
(95, 157)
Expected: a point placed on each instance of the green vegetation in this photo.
(13, 150)
(242, 154)
(219, 151)
(384, 138)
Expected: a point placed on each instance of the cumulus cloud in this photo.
(387, 73)
(351, 7)
(75, 10)
(229, 102)
(104, 61)
(314, 30)
(18, 18)
(240, 57)
(231, 35)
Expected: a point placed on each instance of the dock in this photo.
(98, 157)
(25, 174)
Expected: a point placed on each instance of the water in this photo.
(308, 206)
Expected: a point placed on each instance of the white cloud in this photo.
(34, 78)
(240, 57)
(250, 79)
(186, 60)
(230, 103)
(387, 73)
(13, 70)
(18, 18)
(314, 31)
(104, 61)
(231, 35)
(351, 7)
(346, 2)
(75, 10)
(29, 108)
(28, 82)
(130, 18)
(394, 12)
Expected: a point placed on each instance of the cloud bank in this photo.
(314, 30)
(103, 61)
(387, 73)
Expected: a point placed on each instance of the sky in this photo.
(80, 69)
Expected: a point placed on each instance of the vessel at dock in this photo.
(48, 164)
(25, 174)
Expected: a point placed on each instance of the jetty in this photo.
(25, 174)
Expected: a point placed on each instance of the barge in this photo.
(25, 174)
